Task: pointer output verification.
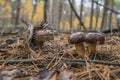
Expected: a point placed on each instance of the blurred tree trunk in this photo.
(71, 17)
(104, 17)
(110, 16)
(81, 10)
(76, 14)
(63, 16)
(13, 12)
(60, 12)
(55, 14)
(97, 16)
(17, 12)
(91, 15)
(45, 10)
(34, 9)
(50, 12)
(2, 19)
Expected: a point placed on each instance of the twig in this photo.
(25, 22)
(63, 59)
(106, 7)
(90, 61)
(78, 17)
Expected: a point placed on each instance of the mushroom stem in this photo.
(80, 49)
(92, 47)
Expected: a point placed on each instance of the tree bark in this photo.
(97, 16)
(60, 12)
(63, 17)
(50, 12)
(34, 9)
(71, 18)
(17, 12)
(45, 10)
(104, 17)
(110, 17)
(91, 16)
(13, 6)
(81, 10)
(55, 14)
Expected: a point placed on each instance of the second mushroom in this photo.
(94, 39)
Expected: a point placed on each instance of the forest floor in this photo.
(50, 69)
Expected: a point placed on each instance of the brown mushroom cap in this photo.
(40, 36)
(43, 35)
(94, 37)
(77, 37)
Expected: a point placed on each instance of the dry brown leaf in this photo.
(65, 75)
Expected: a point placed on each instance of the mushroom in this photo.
(78, 39)
(93, 40)
(40, 36)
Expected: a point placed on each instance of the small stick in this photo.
(90, 61)
(63, 59)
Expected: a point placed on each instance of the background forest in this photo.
(59, 39)
(95, 14)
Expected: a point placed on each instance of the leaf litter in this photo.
(56, 69)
